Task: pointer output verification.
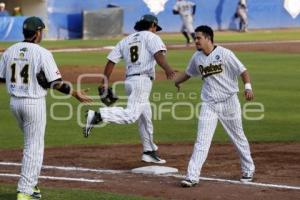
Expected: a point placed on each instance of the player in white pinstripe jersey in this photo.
(141, 51)
(241, 13)
(18, 68)
(219, 68)
(186, 10)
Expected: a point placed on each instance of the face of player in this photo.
(202, 42)
(153, 28)
(39, 36)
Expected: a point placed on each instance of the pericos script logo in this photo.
(210, 70)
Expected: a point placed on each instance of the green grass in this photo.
(275, 83)
(74, 43)
(8, 192)
(99, 58)
(257, 35)
(81, 59)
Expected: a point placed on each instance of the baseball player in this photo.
(241, 13)
(186, 10)
(19, 66)
(141, 51)
(219, 68)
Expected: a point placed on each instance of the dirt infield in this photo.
(276, 163)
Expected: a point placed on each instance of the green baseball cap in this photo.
(151, 19)
(33, 24)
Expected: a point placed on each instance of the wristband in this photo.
(65, 88)
(248, 86)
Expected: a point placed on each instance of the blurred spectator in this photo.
(17, 11)
(241, 13)
(3, 12)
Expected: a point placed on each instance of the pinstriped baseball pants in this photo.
(187, 24)
(229, 114)
(138, 89)
(31, 117)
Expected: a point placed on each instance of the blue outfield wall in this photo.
(216, 13)
(65, 16)
(11, 28)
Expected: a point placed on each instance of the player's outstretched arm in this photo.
(180, 79)
(66, 88)
(162, 62)
(81, 95)
(249, 95)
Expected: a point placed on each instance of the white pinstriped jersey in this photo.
(19, 65)
(184, 7)
(219, 71)
(138, 51)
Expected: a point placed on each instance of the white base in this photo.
(154, 170)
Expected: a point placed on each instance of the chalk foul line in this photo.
(57, 178)
(80, 169)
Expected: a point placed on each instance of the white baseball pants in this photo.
(229, 114)
(138, 89)
(187, 24)
(31, 117)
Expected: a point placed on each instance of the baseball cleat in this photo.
(36, 192)
(152, 157)
(247, 177)
(188, 183)
(23, 196)
(92, 118)
(35, 195)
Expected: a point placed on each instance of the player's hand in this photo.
(249, 95)
(170, 74)
(178, 86)
(82, 96)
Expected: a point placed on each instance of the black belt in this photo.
(138, 74)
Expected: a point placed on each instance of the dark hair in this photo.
(28, 34)
(207, 32)
(142, 25)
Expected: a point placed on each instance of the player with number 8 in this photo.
(141, 51)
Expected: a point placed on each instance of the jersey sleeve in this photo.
(49, 67)
(2, 67)
(235, 64)
(192, 69)
(155, 44)
(116, 55)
